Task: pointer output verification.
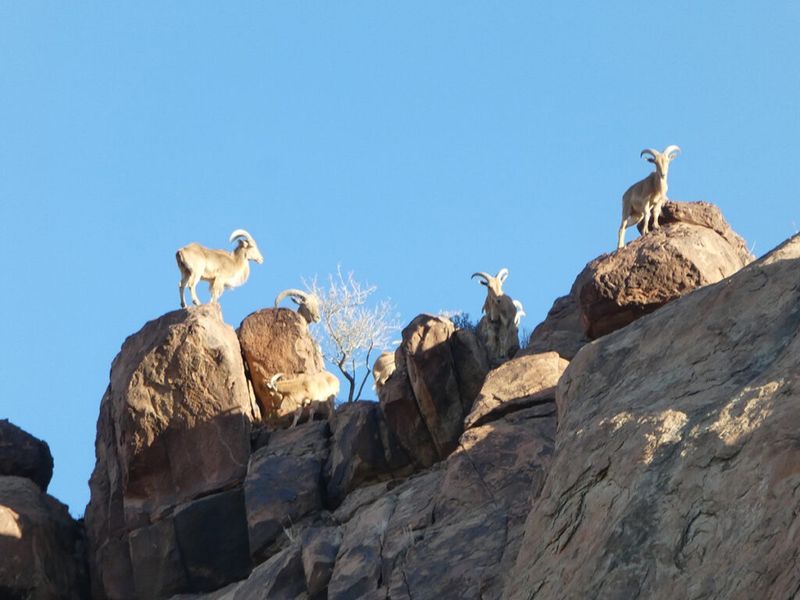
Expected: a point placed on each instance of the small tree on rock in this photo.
(351, 329)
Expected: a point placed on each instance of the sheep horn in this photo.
(650, 151)
(486, 277)
(290, 292)
(274, 379)
(242, 233)
(502, 274)
(670, 149)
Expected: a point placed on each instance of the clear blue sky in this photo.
(414, 142)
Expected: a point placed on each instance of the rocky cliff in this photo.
(644, 445)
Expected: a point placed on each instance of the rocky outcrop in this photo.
(439, 372)
(284, 485)
(695, 247)
(276, 340)
(675, 474)
(23, 455)
(174, 426)
(362, 449)
(560, 332)
(42, 549)
(522, 382)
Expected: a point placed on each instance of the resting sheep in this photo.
(308, 389)
(307, 304)
(647, 196)
(222, 269)
(497, 330)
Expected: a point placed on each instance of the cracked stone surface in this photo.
(174, 425)
(677, 464)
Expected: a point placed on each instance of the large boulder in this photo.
(284, 484)
(525, 381)
(439, 372)
(276, 340)
(42, 549)
(694, 247)
(616, 289)
(174, 425)
(23, 455)
(676, 467)
(362, 449)
(561, 331)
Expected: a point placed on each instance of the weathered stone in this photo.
(174, 425)
(320, 548)
(158, 571)
(433, 374)
(358, 564)
(23, 455)
(471, 365)
(280, 578)
(42, 550)
(404, 419)
(362, 449)
(676, 473)
(615, 289)
(519, 383)
(212, 538)
(276, 340)
(703, 214)
(283, 485)
(561, 331)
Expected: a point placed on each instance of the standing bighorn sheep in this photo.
(647, 196)
(307, 304)
(497, 329)
(222, 269)
(307, 389)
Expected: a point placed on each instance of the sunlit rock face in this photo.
(677, 463)
(174, 428)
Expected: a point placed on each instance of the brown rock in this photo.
(519, 383)
(276, 340)
(362, 449)
(676, 473)
(561, 331)
(42, 551)
(616, 289)
(320, 548)
(23, 455)
(283, 485)
(174, 425)
(704, 214)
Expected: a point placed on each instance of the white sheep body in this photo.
(307, 389)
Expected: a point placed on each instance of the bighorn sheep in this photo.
(497, 330)
(647, 196)
(308, 389)
(307, 304)
(222, 269)
(383, 368)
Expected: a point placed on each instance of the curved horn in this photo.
(244, 234)
(274, 379)
(502, 274)
(649, 151)
(290, 292)
(670, 149)
(486, 277)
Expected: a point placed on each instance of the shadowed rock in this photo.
(22, 455)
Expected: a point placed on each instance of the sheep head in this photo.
(248, 244)
(307, 304)
(661, 159)
(494, 291)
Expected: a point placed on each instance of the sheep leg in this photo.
(311, 412)
(182, 288)
(216, 287)
(297, 414)
(621, 237)
(646, 227)
(657, 214)
(193, 290)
